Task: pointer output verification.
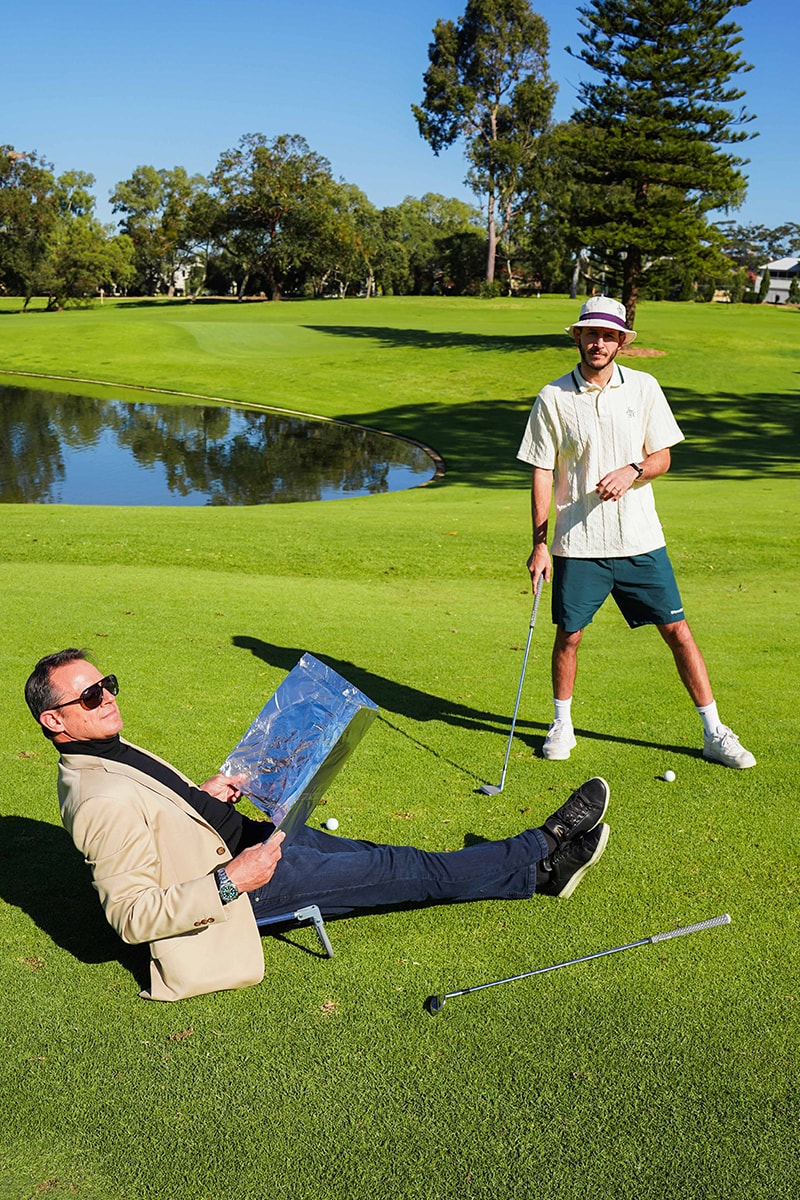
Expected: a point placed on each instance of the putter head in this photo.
(490, 789)
(434, 1004)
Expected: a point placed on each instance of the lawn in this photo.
(668, 1071)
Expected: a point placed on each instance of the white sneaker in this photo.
(724, 747)
(559, 741)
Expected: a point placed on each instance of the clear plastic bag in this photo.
(299, 741)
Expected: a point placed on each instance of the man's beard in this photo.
(587, 362)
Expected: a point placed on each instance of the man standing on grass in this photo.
(178, 867)
(602, 434)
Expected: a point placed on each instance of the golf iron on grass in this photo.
(435, 1004)
(490, 789)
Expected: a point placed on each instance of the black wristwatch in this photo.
(227, 891)
(639, 471)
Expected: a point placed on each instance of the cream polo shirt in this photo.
(581, 432)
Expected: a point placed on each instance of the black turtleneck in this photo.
(236, 830)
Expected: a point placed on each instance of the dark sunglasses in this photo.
(92, 696)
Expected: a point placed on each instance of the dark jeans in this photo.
(341, 875)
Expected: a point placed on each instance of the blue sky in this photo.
(104, 87)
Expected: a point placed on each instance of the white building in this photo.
(781, 274)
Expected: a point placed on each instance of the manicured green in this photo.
(668, 1071)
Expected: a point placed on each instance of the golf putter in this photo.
(435, 1004)
(490, 789)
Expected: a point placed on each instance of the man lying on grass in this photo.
(177, 866)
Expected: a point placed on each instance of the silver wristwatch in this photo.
(227, 891)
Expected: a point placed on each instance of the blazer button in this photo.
(221, 850)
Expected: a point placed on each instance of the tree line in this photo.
(617, 199)
(269, 220)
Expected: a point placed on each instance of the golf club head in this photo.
(434, 1004)
(490, 789)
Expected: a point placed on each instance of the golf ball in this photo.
(332, 823)
(669, 776)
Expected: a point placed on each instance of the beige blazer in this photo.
(152, 858)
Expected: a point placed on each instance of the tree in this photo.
(647, 144)
(50, 242)
(488, 83)
(83, 257)
(28, 212)
(343, 246)
(73, 195)
(751, 245)
(794, 289)
(271, 197)
(156, 205)
(202, 218)
(420, 232)
(549, 255)
(737, 285)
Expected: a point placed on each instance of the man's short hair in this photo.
(39, 692)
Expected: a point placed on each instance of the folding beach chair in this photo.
(309, 913)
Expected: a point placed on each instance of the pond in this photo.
(68, 449)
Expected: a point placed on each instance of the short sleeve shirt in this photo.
(581, 432)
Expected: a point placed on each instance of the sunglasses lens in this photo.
(92, 696)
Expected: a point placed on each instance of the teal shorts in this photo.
(643, 587)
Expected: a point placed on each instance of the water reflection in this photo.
(65, 449)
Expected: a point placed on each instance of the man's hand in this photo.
(224, 787)
(616, 483)
(539, 564)
(256, 865)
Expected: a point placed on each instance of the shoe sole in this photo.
(605, 802)
(737, 766)
(573, 881)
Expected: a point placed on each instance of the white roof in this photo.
(781, 264)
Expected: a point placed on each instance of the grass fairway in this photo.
(666, 1072)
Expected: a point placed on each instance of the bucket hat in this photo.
(604, 313)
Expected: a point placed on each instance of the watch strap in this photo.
(639, 470)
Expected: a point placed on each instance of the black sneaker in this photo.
(561, 873)
(585, 808)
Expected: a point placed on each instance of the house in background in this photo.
(781, 274)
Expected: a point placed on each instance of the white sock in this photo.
(561, 711)
(710, 718)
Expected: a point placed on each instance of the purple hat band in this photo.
(601, 316)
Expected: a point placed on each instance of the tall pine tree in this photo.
(648, 142)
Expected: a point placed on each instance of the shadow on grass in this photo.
(731, 436)
(42, 874)
(398, 698)
(417, 705)
(728, 435)
(451, 339)
(395, 697)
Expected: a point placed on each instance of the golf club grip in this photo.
(709, 924)
(536, 600)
